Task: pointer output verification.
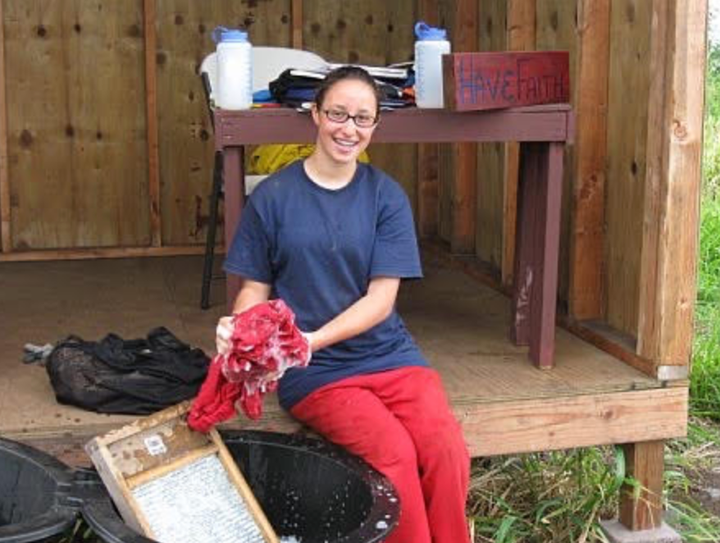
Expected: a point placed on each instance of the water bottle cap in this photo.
(424, 32)
(222, 34)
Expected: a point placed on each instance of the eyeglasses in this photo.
(361, 120)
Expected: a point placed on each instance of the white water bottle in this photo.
(234, 68)
(430, 46)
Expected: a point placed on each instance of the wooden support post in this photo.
(674, 159)
(536, 267)
(525, 249)
(297, 23)
(428, 190)
(464, 196)
(547, 243)
(642, 510)
(520, 37)
(428, 202)
(152, 122)
(5, 208)
(234, 183)
(587, 277)
(101, 252)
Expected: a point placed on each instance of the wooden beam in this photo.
(520, 37)
(101, 252)
(464, 195)
(641, 507)
(671, 214)
(464, 198)
(587, 277)
(547, 240)
(546, 424)
(297, 23)
(428, 197)
(653, 171)
(5, 208)
(234, 201)
(606, 338)
(152, 122)
(490, 428)
(428, 190)
(544, 123)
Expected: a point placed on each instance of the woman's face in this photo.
(342, 142)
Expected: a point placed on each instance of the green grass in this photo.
(705, 376)
(544, 497)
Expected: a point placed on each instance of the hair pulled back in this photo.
(345, 73)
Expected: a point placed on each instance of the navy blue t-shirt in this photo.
(319, 248)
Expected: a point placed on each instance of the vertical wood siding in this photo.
(76, 123)
(628, 88)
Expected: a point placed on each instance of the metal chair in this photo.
(268, 64)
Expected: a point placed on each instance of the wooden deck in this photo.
(504, 403)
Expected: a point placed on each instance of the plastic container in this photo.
(34, 494)
(307, 488)
(234, 68)
(431, 44)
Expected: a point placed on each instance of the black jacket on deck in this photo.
(135, 377)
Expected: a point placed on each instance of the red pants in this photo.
(400, 422)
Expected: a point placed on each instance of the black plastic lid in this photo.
(36, 494)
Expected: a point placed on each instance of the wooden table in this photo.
(542, 132)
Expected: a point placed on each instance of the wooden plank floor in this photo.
(503, 402)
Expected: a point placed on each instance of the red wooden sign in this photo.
(474, 81)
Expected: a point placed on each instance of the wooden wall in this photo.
(185, 134)
(76, 124)
(91, 165)
(105, 140)
(629, 79)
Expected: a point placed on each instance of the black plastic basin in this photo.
(308, 488)
(35, 499)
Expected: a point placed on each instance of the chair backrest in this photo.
(268, 64)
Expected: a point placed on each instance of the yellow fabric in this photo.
(271, 157)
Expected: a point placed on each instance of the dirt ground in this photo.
(707, 491)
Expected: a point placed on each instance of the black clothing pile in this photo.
(134, 377)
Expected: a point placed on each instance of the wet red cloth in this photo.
(265, 342)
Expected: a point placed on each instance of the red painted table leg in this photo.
(536, 259)
(234, 185)
(524, 272)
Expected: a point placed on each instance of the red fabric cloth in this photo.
(400, 422)
(265, 342)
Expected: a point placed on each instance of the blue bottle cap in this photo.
(424, 32)
(222, 34)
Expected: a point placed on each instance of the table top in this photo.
(543, 123)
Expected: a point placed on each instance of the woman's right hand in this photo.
(223, 335)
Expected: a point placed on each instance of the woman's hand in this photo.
(223, 335)
(251, 293)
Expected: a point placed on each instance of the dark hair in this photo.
(347, 73)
